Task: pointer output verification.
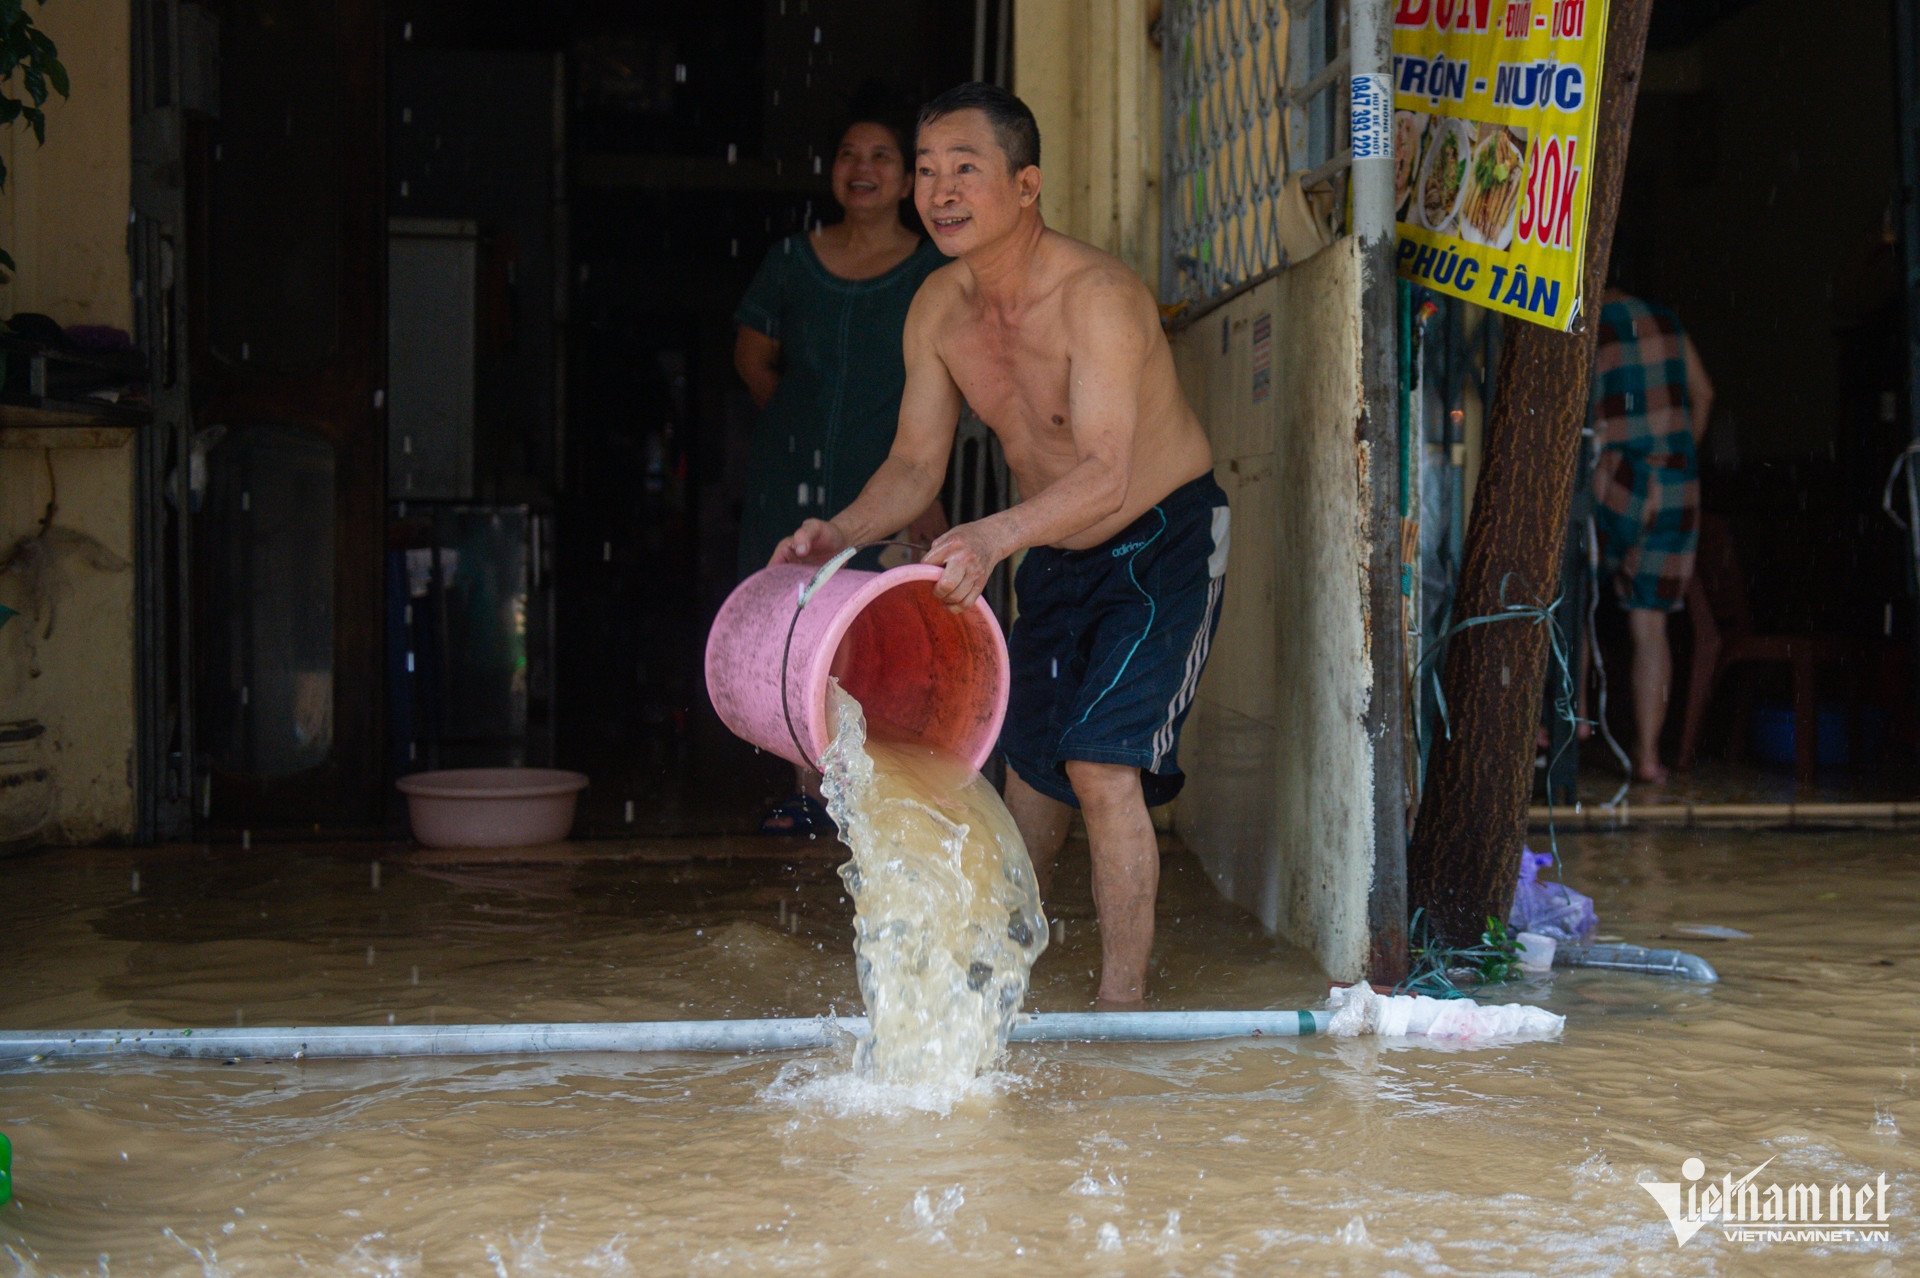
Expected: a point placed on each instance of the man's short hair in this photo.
(1014, 127)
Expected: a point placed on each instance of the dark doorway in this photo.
(697, 140)
(462, 278)
(1773, 235)
(286, 338)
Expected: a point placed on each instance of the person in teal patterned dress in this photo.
(1651, 400)
(818, 346)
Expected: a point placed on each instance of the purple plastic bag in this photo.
(1551, 909)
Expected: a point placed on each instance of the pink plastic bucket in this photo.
(938, 676)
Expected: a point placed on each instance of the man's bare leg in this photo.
(1652, 676)
(1043, 826)
(1126, 873)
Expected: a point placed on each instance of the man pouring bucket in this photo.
(1058, 347)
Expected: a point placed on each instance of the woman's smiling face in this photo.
(869, 170)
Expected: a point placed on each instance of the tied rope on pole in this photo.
(806, 594)
(1564, 703)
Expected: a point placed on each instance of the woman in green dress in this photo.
(818, 346)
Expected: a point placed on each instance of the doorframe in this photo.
(166, 38)
(1906, 26)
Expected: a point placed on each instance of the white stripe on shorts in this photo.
(1190, 681)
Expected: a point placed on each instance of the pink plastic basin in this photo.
(491, 807)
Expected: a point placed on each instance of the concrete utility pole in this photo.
(1465, 854)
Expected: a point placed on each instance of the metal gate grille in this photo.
(1255, 137)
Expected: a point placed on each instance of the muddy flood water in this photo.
(1361, 1156)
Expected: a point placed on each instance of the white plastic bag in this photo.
(1359, 1010)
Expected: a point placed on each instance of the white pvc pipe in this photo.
(772, 1034)
(1637, 958)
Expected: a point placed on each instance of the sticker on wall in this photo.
(1262, 356)
(1372, 117)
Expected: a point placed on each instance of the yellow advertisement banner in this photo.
(1495, 103)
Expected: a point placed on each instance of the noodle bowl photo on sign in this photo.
(1495, 177)
(1410, 129)
(1443, 175)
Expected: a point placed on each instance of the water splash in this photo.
(933, 1213)
(831, 1086)
(947, 913)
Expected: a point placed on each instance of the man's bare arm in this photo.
(910, 478)
(1108, 341)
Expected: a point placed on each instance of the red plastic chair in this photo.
(1724, 637)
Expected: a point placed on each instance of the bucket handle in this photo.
(807, 592)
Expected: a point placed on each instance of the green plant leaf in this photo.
(57, 76)
(19, 44)
(6, 261)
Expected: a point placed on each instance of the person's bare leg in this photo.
(1126, 873)
(1043, 826)
(1652, 677)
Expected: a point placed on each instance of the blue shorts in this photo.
(1110, 642)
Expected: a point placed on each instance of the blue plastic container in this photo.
(1773, 735)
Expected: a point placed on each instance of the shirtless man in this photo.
(1058, 348)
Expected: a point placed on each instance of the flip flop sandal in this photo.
(799, 814)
